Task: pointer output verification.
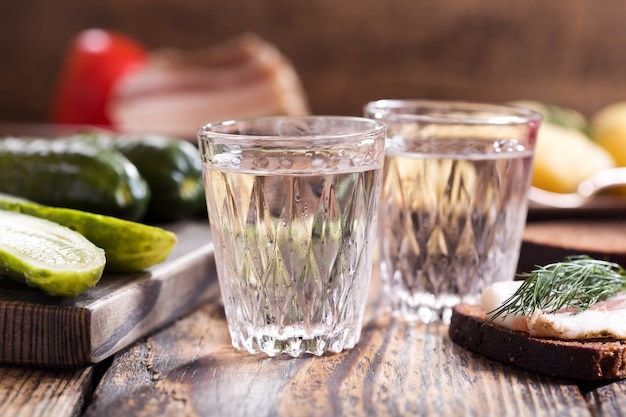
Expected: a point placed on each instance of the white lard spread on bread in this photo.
(605, 319)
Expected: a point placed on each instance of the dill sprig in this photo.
(577, 282)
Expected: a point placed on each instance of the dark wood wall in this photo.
(349, 51)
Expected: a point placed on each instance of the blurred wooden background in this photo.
(349, 51)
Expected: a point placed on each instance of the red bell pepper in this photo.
(96, 60)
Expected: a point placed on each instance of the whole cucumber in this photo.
(173, 170)
(74, 174)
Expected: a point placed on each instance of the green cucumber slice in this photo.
(48, 256)
(129, 246)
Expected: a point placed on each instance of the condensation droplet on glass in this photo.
(235, 160)
(356, 160)
(507, 145)
(262, 161)
(286, 162)
(333, 160)
(318, 160)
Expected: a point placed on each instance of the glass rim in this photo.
(499, 113)
(367, 128)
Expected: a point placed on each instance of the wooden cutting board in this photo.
(552, 241)
(37, 329)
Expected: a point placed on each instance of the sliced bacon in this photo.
(604, 320)
(179, 91)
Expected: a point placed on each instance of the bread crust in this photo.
(580, 360)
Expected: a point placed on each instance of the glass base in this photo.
(425, 307)
(293, 342)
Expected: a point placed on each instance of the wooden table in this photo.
(190, 369)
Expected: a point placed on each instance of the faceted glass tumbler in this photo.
(454, 200)
(292, 204)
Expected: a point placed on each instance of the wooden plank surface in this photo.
(36, 392)
(396, 369)
(607, 399)
(189, 368)
(36, 329)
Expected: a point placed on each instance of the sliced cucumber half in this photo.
(48, 256)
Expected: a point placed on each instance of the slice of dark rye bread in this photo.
(584, 360)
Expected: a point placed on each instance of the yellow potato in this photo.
(609, 130)
(564, 157)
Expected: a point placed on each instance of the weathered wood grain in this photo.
(397, 369)
(33, 392)
(36, 329)
(607, 399)
(189, 368)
